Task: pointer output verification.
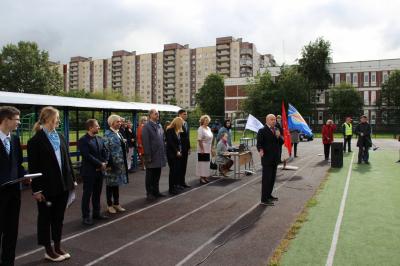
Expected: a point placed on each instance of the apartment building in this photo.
(366, 76)
(176, 72)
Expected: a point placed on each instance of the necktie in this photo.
(7, 145)
(273, 131)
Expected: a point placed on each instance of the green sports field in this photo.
(370, 228)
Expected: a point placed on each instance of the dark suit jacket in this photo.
(92, 157)
(42, 159)
(129, 136)
(122, 131)
(269, 143)
(173, 143)
(366, 139)
(11, 167)
(185, 139)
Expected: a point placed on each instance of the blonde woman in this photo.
(143, 120)
(204, 149)
(174, 152)
(118, 175)
(48, 154)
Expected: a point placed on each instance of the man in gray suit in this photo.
(153, 145)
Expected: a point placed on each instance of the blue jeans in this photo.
(366, 154)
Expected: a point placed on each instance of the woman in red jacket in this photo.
(327, 137)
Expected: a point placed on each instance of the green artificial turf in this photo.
(370, 231)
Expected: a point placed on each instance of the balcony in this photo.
(223, 53)
(246, 51)
(169, 76)
(170, 87)
(117, 79)
(169, 58)
(166, 99)
(116, 85)
(223, 47)
(246, 63)
(73, 78)
(73, 83)
(220, 60)
(169, 70)
(117, 64)
(169, 93)
(169, 82)
(169, 65)
(116, 75)
(224, 66)
(246, 71)
(224, 72)
(73, 65)
(116, 59)
(115, 69)
(73, 88)
(117, 89)
(169, 53)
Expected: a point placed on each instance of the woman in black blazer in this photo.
(131, 141)
(174, 150)
(48, 154)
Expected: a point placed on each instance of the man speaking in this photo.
(268, 141)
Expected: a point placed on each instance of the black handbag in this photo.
(213, 166)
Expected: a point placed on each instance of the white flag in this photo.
(253, 124)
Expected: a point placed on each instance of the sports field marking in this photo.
(168, 224)
(331, 255)
(231, 224)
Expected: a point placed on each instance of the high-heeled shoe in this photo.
(207, 181)
(203, 183)
(120, 209)
(111, 209)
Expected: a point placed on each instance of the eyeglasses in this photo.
(19, 120)
(155, 113)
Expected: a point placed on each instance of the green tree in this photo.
(210, 97)
(262, 96)
(389, 96)
(344, 101)
(173, 101)
(314, 62)
(24, 68)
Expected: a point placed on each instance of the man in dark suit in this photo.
(268, 141)
(94, 160)
(153, 145)
(185, 142)
(279, 125)
(10, 195)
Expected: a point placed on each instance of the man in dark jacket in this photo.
(185, 142)
(279, 125)
(364, 131)
(10, 195)
(94, 160)
(268, 141)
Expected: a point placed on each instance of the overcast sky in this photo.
(357, 30)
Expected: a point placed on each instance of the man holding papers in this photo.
(10, 195)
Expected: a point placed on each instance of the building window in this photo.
(373, 97)
(235, 63)
(384, 76)
(348, 79)
(320, 117)
(366, 77)
(235, 50)
(373, 77)
(235, 57)
(355, 79)
(337, 79)
(199, 67)
(199, 61)
(199, 84)
(193, 56)
(366, 97)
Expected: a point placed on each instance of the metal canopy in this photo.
(14, 98)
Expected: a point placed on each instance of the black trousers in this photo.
(112, 192)
(152, 180)
(295, 148)
(51, 219)
(92, 187)
(9, 216)
(327, 150)
(182, 168)
(173, 163)
(268, 181)
(280, 153)
(347, 140)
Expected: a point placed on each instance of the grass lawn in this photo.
(369, 233)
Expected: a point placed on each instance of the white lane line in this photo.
(166, 225)
(331, 255)
(117, 220)
(230, 225)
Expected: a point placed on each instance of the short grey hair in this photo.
(143, 118)
(151, 111)
(112, 119)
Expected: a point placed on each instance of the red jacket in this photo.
(327, 132)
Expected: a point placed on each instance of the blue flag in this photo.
(296, 121)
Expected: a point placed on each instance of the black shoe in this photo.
(203, 183)
(267, 203)
(150, 197)
(173, 191)
(229, 170)
(296, 156)
(398, 161)
(359, 162)
(87, 220)
(186, 186)
(179, 187)
(131, 171)
(99, 216)
(159, 195)
(271, 198)
(367, 163)
(326, 159)
(350, 151)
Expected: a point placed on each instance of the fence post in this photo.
(234, 130)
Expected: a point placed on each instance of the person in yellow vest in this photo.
(347, 129)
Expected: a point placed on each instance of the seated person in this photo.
(223, 148)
